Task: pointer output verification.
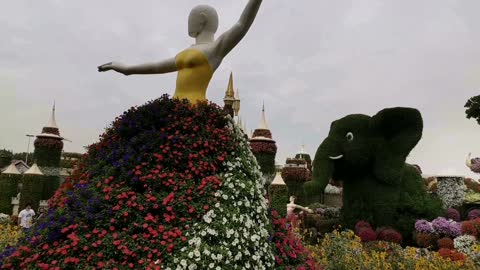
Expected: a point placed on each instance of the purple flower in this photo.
(455, 229)
(424, 226)
(447, 227)
(441, 225)
(453, 213)
(473, 214)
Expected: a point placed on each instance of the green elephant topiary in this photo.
(368, 154)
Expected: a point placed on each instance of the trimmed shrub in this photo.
(8, 189)
(279, 198)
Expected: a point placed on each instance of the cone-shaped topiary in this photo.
(168, 186)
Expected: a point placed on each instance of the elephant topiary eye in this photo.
(349, 136)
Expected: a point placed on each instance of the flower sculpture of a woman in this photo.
(196, 64)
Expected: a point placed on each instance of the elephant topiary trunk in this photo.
(369, 154)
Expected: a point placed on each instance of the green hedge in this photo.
(32, 190)
(8, 189)
(279, 198)
(266, 162)
(50, 185)
(5, 158)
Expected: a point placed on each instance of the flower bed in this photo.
(343, 250)
(9, 236)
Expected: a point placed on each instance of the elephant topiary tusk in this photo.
(337, 157)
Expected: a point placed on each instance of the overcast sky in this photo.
(311, 61)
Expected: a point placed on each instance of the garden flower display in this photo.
(452, 191)
(168, 186)
(4, 219)
(424, 226)
(453, 214)
(343, 250)
(446, 227)
(471, 227)
(473, 214)
(465, 243)
(9, 236)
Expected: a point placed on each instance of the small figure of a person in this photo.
(41, 212)
(25, 217)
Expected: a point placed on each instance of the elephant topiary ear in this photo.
(397, 131)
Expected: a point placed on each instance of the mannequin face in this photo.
(202, 18)
(292, 199)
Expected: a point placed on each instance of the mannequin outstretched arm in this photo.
(228, 40)
(165, 66)
(296, 206)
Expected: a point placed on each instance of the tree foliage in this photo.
(473, 108)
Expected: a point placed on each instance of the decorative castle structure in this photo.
(264, 148)
(296, 172)
(9, 187)
(232, 104)
(40, 181)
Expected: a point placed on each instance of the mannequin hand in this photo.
(118, 67)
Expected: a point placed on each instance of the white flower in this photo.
(197, 253)
(464, 243)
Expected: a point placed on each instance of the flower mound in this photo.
(168, 186)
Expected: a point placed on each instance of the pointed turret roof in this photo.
(52, 123)
(51, 129)
(230, 93)
(237, 93)
(11, 169)
(278, 180)
(263, 120)
(35, 170)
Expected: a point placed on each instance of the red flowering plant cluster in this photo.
(290, 253)
(471, 227)
(451, 254)
(262, 133)
(51, 130)
(136, 194)
(50, 143)
(366, 232)
(263, 147)
(296, 174)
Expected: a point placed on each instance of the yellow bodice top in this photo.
(194, 74)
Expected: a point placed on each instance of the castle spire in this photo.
(52, 123)
(230, 93)
(302, 149)
(229, 98)
(263, 121)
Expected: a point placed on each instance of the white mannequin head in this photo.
(202, 18)
(292, 199)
